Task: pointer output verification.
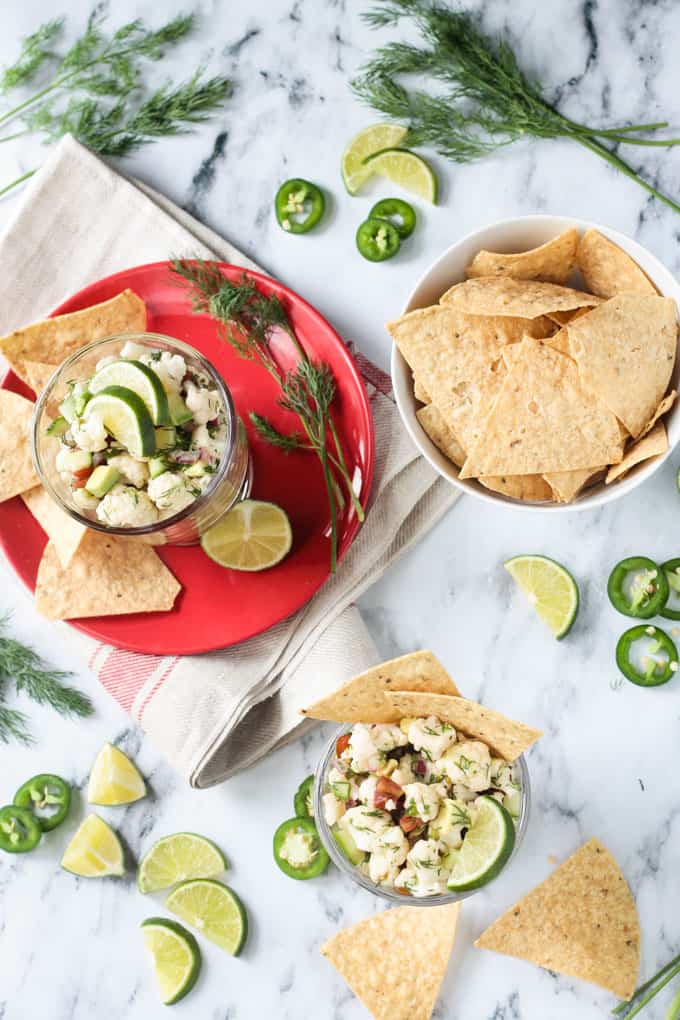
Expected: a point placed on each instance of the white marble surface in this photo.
(69, 949)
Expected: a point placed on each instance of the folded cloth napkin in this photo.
(212, 714)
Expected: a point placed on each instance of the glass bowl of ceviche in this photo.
(418, 813)
(136, 435)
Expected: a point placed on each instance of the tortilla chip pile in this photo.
(537, 389)
(82, 572)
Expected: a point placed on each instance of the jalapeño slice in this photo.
(299, 205)
(377, 240)
(48, 797)
(298, 850)
(671, 569)
(303, 801)
(638, 587)
(397, 212)
(20, 830)
(653, 671)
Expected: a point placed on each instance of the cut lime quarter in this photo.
(139, 378)
(126, 417)
(95, 851)
(409, 171)
(550, 588)
(114, 779)
(176, 957)
(375, 138)
(176, 858)
(252, 536)
(212, 909)
(486, 848)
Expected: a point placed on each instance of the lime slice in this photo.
(486, 848)
(95, 851)
(214, 910)
(139, 378)
(177, 858)
(409, 171)
(252, 536)
(125, 416)
(550, 588)
(176, 957)
(369, 141)
(114, 779)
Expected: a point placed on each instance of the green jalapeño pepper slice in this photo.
(298, 850)
(48, 797)
(19, 830)
(400, 214)
(654, 671)
(377, 240)
(638, 587)
(671, 569)
(303, 802)
(299, 205)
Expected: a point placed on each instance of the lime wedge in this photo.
(486, 848)
(114, 779)
(177, 858)
(176, 957)
(369, 141)
(409, 171)
(550, 588)
(212, 909)
(139, 378)
(95, 851)
(125, 416)
(252, 536)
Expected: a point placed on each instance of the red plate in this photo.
(219, 607)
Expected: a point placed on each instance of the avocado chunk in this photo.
(179, 412)
(58, 427)
(76, 460)
(196, 470)
(165, 437)
(102, 479)
(157, 466)
(349, 848)
(446, 826)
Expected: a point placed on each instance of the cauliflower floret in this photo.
(333, 808)
(205, 405)
(84, 500)
(170, 369)
(467, 764)
(425, 874)
(214, 444)
(126, 507)
(364, 755)
(387, 737)
(365, 825)
(502, 774)
(432, 736)
(133, 471)
(169, 492)
(367, 791)
(404, 774)
(131, 351)
(463, 793)
(103, 362)
(61, 461)
(422, 800)
(389, 854)
(89, 433)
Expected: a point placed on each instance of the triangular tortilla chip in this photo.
(494, 295)
(531, 488)
(504, 736)
(440, 434)
(107, 576)
(420, 391)
(566, 485)
(582, 922)
(662, 409)
(625, 351)
(551, 262)
(395, 961)
(651, 445)
(363, 698)
(17, 473)
(608, 270)
(65, 533)
(36, 374)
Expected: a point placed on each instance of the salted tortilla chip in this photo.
(362, 699)
(562, 318)
(440, 434)
(662, 409)
(551, 262)
(608, 270)
(420, 391)
(532, 488)
(395, 961)
(625, 351)
(107, 576)
(53, 340)
(37, 374)
(17, 473)
(566, 485)
(494, 295)
(504, 736)
(651, 445)
(544, 420)
(582, 922)
(64, 533)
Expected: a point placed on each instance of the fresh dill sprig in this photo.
(287, 443)
(648, 991)
(14, 726)
(36, 51)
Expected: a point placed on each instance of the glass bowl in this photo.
(391, 895)
(230, 483)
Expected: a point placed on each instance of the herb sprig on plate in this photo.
(649, 990)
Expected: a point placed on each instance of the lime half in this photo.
(372, 139)
(212, 909)
(176, 858)
(252, 536)
(176, 957)
(139, 378)
(550, 588)
(408, 170)
(114, 779)
(95, 851)
(126, 417)
(486, 848)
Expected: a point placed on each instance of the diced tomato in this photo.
(81, 482)
(342, 743)
(83, 473)
(386, 790)
(408, 824)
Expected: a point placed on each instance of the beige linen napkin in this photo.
(213, 714)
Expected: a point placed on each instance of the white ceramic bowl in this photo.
(514, 235)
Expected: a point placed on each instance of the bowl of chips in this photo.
(536, 363)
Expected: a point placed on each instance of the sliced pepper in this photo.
(303, 801)
(400, 214)
(20, 830)
(671, 569)
(48, 797)
(298, 850)
(299, 205)
(377, 240)
(647, 593)
(656, 672)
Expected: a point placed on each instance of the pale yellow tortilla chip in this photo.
(531, 488)
(608, 270)
(562, 318)
(662, 409)
(65, 533)
(499, 296)
(395, 961)
(420, 391)
(53, 340)
(625, 351)
(652, 445)
(37, 374)
(440, 434)
(581, 921)
(17, 473)
(107, 576)
(362, 699)
(566, 485)
(504, 736)
(551, 262)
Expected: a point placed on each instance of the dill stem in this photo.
(654, 991)
(323, 457)
(611, 157)
(19, 180)
(17, 134)
(673, 965)
(342, 468)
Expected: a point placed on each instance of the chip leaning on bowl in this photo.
(538, 389)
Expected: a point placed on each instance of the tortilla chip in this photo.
(107, 576)
(504, 736)
(566, 485)
(16, 463)
(53, 340)
(544, 420)
(651, 445)
(625, 351)
(499, 296)
(420, 391)
(37, 375)
(64, 533)
(560, 342)
(662, 409)
(440, 434)
(582, 922)
(395, 961)
(562, 318)
(533, 488)
(608, 270)
(362, 699)
(552, 262)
